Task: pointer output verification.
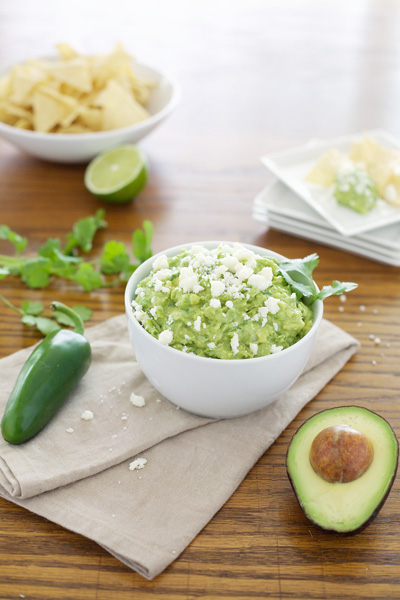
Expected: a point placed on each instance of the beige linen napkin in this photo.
(145, 517)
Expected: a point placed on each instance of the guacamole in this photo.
(226, 303)
(356, 190)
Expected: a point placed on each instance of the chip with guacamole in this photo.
(355, 190)
(226, 303)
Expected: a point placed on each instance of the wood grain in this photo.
(257, 76)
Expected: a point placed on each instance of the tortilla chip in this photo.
(66, 52)
(370, 152)
(91, 117)
(324, 171)
(74, 72)
(120, 109)
(23, 124)
(50, 108)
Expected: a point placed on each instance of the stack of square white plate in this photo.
(296, 207)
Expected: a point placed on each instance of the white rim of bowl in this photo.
(146, 266)
(170, 106)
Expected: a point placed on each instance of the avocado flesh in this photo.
(343, 507)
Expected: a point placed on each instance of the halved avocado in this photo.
(346, 435)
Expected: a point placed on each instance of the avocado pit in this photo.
(341, 454)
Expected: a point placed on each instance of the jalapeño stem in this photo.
(66, 310)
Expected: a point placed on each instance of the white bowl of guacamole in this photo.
(216, 329)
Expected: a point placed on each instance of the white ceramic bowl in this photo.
(210, 387)
(82, 147)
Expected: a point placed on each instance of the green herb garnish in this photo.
(54, 260)
(298, 274)
(33, 315)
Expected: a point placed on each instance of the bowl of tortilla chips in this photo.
(71, 107)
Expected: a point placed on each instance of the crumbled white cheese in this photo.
(218, 271)
(235, 343)
(159, 287)
(139, 315)
(274, 349)
(272, 304)
(243, 253)
(215, 303)
(188, 279)
(244, 273)
(137, 400)
(197, 288)
(217, 288)
(166, 336)
(258, 281)
(230, 262)
(229, 304)
(211, 345)
(69, 430)
(254, 348)
(87, 415)
(162, 274)
(161, 262)
(197, 323)
(138, 463)
(267, 273)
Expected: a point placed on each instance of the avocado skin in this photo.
(376, 511)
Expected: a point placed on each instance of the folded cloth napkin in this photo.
(145, 513)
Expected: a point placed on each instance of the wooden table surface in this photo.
(256, 76)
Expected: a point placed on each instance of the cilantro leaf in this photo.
(83, 311)
(28, 320)
(46, 325)
(141, 242)
(83, 232)
(337, 287)
(88, 277)
(19, 242)
(32, 308)
(50, 248)
(35, 272)
(298, 274)
(114, 259)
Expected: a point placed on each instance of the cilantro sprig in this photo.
(298, 274)
(67, 262)
(33, 314)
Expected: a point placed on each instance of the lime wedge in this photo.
(117, 175)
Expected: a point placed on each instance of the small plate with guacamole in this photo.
(279, 207)
(353, 182)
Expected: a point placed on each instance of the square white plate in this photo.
(292, 167)
(278, 199)
(311, 232)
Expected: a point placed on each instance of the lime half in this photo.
(117, 175)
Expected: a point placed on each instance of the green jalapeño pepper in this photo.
(45, 381)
